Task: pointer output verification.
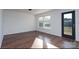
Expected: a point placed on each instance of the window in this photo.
(41, 22)
(44, 22)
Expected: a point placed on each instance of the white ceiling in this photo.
(33, 11)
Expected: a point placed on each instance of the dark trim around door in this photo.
(73, 25)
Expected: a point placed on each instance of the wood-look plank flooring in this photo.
(36, 39)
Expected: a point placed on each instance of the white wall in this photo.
(15, 22)
(56, 22)
(77, 25)
(1, 35)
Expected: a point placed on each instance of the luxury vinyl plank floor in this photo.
(37, 40)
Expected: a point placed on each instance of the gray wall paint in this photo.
(15, 22)
(56, 22)
(1, 34)
(77, 25)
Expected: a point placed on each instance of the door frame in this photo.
(73, 25)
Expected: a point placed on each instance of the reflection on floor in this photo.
(50, 45)
(38, 43)
(37, 40)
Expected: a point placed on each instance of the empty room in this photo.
(39, 28)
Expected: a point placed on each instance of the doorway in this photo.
(68, 24)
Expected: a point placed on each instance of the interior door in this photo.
(68, 24)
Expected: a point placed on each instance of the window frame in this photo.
(48, 21)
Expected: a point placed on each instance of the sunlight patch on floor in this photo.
(38, 43)
(51, 46)
(47, 40)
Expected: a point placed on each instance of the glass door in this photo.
(68, 24)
